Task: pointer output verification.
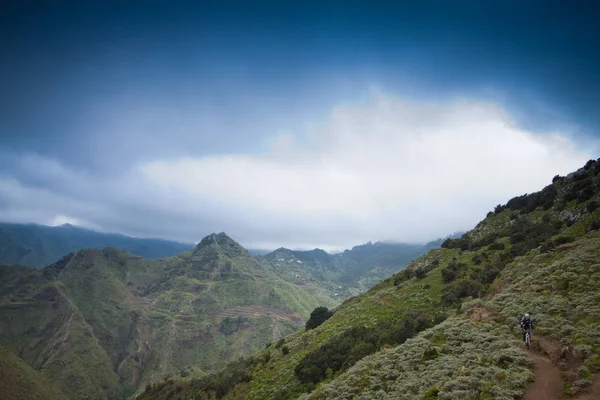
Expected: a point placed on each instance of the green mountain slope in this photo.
(18, 381)
(37, 245)
(103, 323)
(447, 326)
(353, 271)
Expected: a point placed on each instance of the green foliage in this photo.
(429, 354)
(18, 381)
(128, 318)
(420, 273)
(488, 274)
(461, 368)
(497, 246)
(528, 203)
(343, 351)
(215, 386)
(462, 243)
(317, 317)
(431, 393)
(229, 326)
(459, 290)
(404, 276)
(452, 271)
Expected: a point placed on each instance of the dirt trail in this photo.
(553, 363)
(548, 383)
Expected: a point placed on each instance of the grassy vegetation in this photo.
(18, 381)
(103, 324)
(455, 360)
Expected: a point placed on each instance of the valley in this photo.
(103, 324)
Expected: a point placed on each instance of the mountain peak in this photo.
(221, 241)
(280, 252)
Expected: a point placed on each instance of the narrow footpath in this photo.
(548, 383)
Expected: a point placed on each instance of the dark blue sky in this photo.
(100, 86)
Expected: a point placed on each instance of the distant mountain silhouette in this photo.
(35, 246)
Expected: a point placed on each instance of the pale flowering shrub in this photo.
(457, 359)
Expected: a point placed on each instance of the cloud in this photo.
(386, 168)
(382, 169)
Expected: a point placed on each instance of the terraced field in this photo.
(254, 312)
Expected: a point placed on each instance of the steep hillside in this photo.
(353, 271)
(103, 323)
(447, 326)
(37, 245)
(18, 381)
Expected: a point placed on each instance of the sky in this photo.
(299, 124)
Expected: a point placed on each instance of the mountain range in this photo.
(216, 322)
(104, 323)
(447, 326)
(36, 246)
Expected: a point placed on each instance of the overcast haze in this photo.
(291, 124)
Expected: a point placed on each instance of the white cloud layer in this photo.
(386, 169)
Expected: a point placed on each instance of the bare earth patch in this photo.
(480, 314)
(548, 382)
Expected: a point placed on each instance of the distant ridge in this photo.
(35, 245)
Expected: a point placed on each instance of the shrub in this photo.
(317, 317)
(489, 273)
(285, 350)
(343, 351)
(594, 226)
(497, 246)
(569, 196)
(585, 195)
(591, 206)
(589, 165)
(579, 176)
(563, 239)
(459, 290)
(429, 354)
(420, 273)
(451, 272)
(403, 276)
(529, 202)
(431, 393)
